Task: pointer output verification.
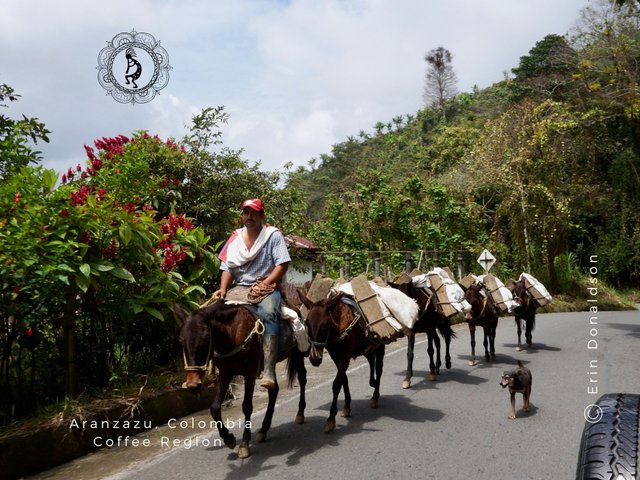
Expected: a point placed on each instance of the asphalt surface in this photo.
(451, 429)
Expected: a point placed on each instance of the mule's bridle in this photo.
(198, 368)
(258, 328)
(340, 337)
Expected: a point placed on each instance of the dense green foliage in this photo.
(537, 167)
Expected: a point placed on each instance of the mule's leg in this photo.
(247, 409)
(447, 342)
(472, 334)
(530, 322)
(378, 356)
(430, 351)
(519, 329)
(346, 410)
(302, 381)
(330, 424)
(492, 341)
(411, 341)
(487, 342)
(222, 385)
(268, 416)
(436, 340)
(372, 373)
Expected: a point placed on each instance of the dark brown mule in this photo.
(525, 310)
(332, 324)
(231, 336)
(430, 321)
(483, 314)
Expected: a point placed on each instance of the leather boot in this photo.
(270, 349)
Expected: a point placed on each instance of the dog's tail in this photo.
(520, 364)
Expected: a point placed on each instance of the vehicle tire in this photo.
(609, 447)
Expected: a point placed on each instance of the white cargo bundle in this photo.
(537, 289)
(448, 292)
(500, 294)
(399, 310)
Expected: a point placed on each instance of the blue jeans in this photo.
(269, 313)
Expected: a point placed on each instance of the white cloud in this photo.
(296, 76)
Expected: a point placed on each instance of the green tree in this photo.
(214, 180)
(546, 72)
(534, 169)
(15, 136)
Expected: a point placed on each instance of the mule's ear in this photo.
(511, 284)
(333, 301)
(303, 298)
(180, 312)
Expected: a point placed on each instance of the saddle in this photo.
(292, 331)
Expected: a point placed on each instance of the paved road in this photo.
(454, 428)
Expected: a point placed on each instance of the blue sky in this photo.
(295, 76)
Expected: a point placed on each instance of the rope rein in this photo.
(258, 329)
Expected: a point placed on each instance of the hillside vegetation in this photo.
(541, 168)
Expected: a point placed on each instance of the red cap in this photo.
(254, 204)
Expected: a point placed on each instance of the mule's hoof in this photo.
(448, 365)
(374, 403)
(230, 441)
(244, 452)
(345, 412)
(518, 348)
(492, 358)
(261, 437)
(299, 419)
(472, 363)
(329, 426)
(433, 377)
(406, 384)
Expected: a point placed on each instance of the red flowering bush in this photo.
(98, 258)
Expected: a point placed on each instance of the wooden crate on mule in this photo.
(370, 305)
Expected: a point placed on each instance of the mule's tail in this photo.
(444, 327)
(294, 363)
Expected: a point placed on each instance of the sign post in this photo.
(486, 260)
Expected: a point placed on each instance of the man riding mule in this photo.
(254, 259)
(238, 336)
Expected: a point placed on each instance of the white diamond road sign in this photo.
(486, 260)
